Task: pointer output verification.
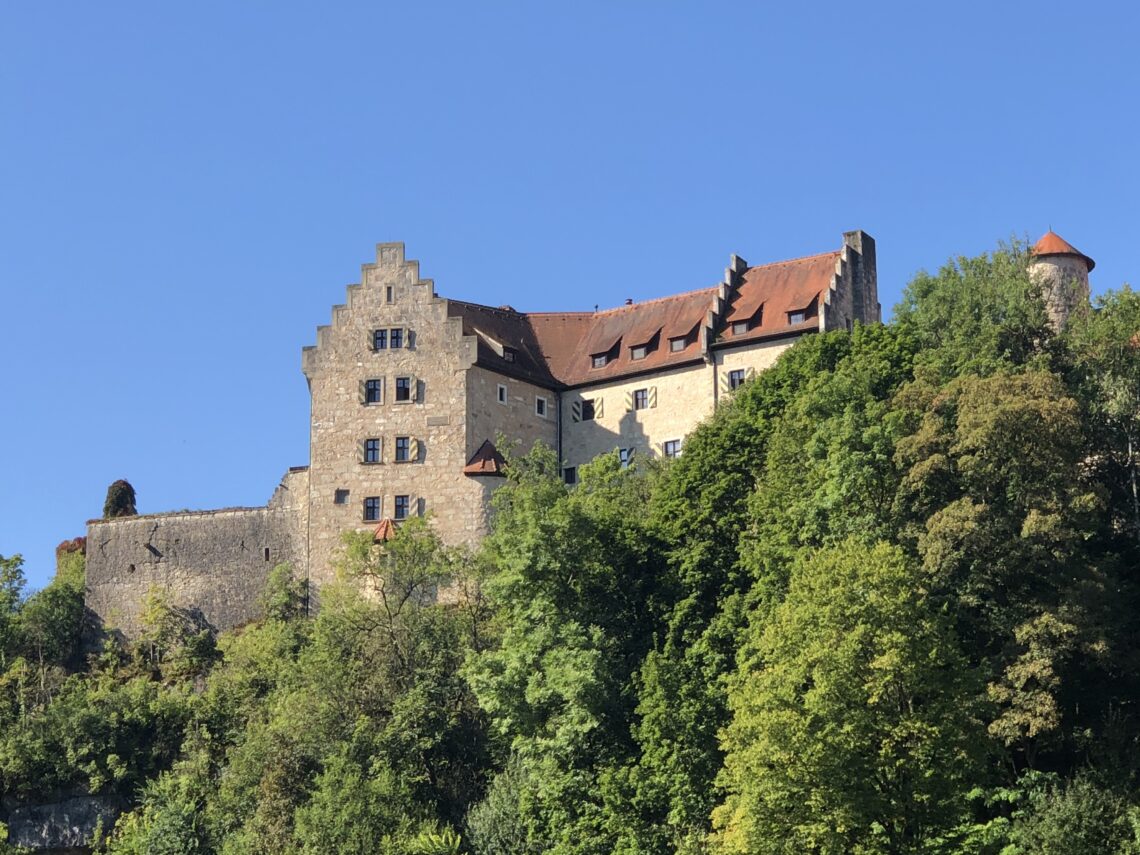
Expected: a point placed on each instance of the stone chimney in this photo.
(1062, 272)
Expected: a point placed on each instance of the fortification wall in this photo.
(214, 564)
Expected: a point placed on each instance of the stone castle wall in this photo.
(214, 564)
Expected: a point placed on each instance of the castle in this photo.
(410, 392)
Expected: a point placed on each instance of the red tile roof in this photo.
(1052, 243)
(556, 348)
(486, 461)
(385, 531)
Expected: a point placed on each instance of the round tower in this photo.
(1062, 271)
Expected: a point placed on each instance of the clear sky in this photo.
(185, 189)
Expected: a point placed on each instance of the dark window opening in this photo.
(736, 378)
(340, 497)
(626, 456)
(509, 354)
(540, 407)
(373, 391)
(403, 388)
(372, 451)
(267, 553)
(570, 475)
(389, 295)
(396, 336)
(640, 399)
(588, 410)
(403, 507)
(403, 446)
(372, 509)
(379, 339)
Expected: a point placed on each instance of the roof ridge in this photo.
(795, 260)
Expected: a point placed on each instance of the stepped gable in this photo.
(556, 349)
(1052, 243)
(486, 461)
(776, 289)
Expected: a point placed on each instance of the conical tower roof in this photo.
(1052, 243)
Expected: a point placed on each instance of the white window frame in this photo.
(501, 394)
(541, 406)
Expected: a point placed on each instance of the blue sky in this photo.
(185, 189)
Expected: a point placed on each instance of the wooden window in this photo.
(372, 509)
(379, 339)
(372, 450)
(672, 448)
(404, 389)
(396, 338)
(640, 399)
(403, 507)
(736, 378)
(373, 391)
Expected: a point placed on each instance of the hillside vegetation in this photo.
(887, 601)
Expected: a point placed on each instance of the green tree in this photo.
(853, 725)
(120, 501)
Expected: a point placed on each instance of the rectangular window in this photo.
(740, 327)
(640, 399)
(372, 451)
(508, 354)
(672, 448)
(340, 497)
(372, 509)
(626, 456)
(373, 391)
(588, 410)
(677, 344)
(736, 378)
(502, 394)
(540, 407)
(600, 360)
(396, 335)
(379, 339)
(403, 446)
(639, 352)
(403, 388)
(570, 475)
(797, 317)
(389, 294)
(403, 507)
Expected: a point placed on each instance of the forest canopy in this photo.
(886, 601)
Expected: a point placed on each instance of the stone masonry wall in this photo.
(516, 418)
(436, 356)
(214, 563)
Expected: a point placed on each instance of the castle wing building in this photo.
(411, 392)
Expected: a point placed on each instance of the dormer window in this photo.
(508, 354)
(639, 352)
(599, 360)
(797, 317)
(676, 345)
(741, 327)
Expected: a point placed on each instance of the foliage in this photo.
(120, 500)
(853, 726)
(887, 601)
